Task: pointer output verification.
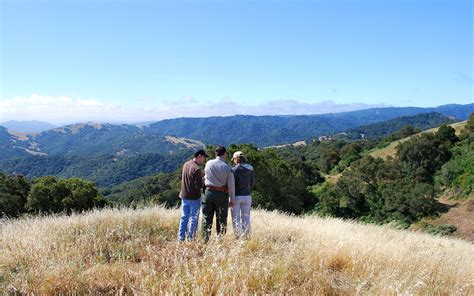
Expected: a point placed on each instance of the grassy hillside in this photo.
(391, 150)
(383, 129)
(135, 251)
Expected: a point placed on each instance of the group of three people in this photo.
(224, 186)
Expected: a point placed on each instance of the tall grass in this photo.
(136, 251)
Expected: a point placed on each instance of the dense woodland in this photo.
(264, 131)
(112, 154)
(104, 170)
(336, 177)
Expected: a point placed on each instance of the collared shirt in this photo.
(218, 173)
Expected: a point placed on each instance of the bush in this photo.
(420, 157)
(13, 195)
(442, 230)
(50, 195)
(409, 201)
(458, 173)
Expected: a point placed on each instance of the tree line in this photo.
(336, 177)
(46, 195)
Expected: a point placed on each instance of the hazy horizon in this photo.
(101, 121)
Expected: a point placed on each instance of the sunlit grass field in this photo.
(391, 149)
(136, 251)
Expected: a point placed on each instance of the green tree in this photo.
(50, 195)
(420, 157)
(167, 189)
(13, 195)
(468, 131)
(447, 134)
(328, 159)
(356, 194)
(470, 123)
(406, 131)
(83, 195)
(408, 200)
(279, 185)
(349, 153)
(46, 195)
(458, 173)
(377, 191)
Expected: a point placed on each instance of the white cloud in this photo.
(63, 109)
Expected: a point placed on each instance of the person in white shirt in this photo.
(220, 191)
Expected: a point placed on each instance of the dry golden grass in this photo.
(135, 251)
(391, 149)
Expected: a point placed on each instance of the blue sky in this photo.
(144, 60)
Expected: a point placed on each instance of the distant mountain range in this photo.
(27, 126)
(90, 139)
(166, 136)
(273, 130)
(378, 130)
(104, 153)
(110, 154)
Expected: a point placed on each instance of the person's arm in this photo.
(231, 187)
(252, 180)
(181, 183)
(198, 179)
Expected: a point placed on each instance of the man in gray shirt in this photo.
(220, 190)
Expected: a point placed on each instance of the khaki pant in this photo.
(241, 215)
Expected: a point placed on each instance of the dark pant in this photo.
(214, 202)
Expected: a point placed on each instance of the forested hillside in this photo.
(404, 188)
(111, 154)
(274, 130)
(89, 139)
(104, 170)
(104, 153)
(337, 177)
(420, 122)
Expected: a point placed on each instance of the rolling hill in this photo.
(276, 130)
(104, 170)
(104, 153)
(109, 154)
(382, 129)
(166, 136)
(33, 126)
(390, 150)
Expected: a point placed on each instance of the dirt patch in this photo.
(189, 143)
(470, 206)
(461, 215)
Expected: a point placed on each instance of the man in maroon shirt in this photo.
(190, 194)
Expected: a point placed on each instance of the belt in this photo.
(218, 188)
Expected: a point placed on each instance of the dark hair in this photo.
(220, 150)
(200, 152)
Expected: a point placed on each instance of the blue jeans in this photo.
(188, 224)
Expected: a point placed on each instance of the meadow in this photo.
(125, 251)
